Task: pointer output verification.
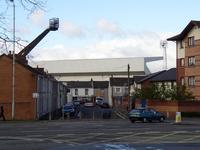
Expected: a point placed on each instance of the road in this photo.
(99, 134)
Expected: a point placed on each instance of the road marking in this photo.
(36, 139)
(189, 139)
(96, 133)
(86, 137)
(124, 133)
(117, 138)
(155, 138)
(197, 131)
(37, 135)
(62, 135)
(21, 138)
(178, 132)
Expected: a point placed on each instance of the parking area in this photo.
(99, 134)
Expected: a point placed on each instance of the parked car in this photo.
(76, 104)
(68, 109)
(88, 104)
(104, 105)
(145, 115)
(99, 101)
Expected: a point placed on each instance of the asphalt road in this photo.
(99, 135)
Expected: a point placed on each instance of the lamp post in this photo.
(13, 64)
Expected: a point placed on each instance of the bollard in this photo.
(178, 117)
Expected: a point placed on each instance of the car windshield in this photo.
(68, 107)
(136, 110)
(100, 99)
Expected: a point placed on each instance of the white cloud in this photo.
(37, 18)
(106, 27)
(144, 44)
(23, 30)
(71, 30)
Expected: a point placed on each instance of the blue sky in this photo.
(107, 28)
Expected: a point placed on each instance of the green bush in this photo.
(153, 91)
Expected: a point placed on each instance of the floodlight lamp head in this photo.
(54, 24)
(163, 43)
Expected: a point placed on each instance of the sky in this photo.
(92, 29)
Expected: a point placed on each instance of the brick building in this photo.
(29, 80)
(188, 57)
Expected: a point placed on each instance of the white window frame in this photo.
(76, 91)
(182, 80)
(86, 91)
(181, 44)
(191, 41)
(191, 61)
(191, 81)
(117, 90)
(182, 62)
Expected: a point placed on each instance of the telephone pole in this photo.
(13, 64)
(129, 101)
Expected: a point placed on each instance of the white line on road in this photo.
(124, 133)
(21, 138)
(155, 138)
(189, 139)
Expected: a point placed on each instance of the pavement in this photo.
(108, 134)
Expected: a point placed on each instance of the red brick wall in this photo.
(169, 108)
(193, 70)
(25, 85)
(180, 72)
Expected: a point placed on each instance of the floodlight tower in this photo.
(163, 45)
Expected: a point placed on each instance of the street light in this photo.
(13, 64)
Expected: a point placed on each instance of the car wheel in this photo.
(133, 121)
(144, 119)
(162, 119)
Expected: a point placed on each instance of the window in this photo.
(191, 61)
(182, 81)
(181, 44)
(191, 41)
(117, 90)
(86, 91)
(76, 91)
(191, 81)
(182, 62)
(126, 90)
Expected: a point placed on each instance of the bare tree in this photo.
(29, 6)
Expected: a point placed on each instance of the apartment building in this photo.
(188, 57)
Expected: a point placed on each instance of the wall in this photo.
(25, 85)
(101, 93)
(169, 108)
(185, 53)
(193, 70)
(81, 92)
